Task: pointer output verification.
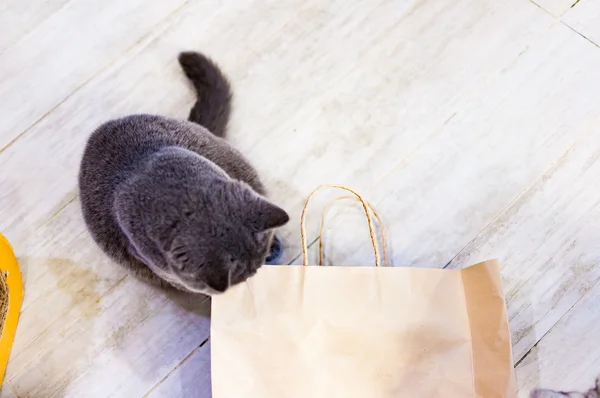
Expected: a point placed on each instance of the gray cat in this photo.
(172, 201)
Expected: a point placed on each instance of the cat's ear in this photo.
(264, 215)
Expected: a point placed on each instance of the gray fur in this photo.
(175, 204)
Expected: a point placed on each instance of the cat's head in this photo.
(543, 393)
(194, 226)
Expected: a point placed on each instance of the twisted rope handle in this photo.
(365, 206)
(386, 260)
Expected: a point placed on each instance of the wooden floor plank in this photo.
(65, 51)
(555, 7)
(584, 19)
(19, 18)
(134, 346)
(7, 392)
(383, 110)
(65, 274)
(567, 358)
(439, 199)
(190, 379)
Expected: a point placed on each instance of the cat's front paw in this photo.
(275, 252)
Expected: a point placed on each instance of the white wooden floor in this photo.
(472, 125)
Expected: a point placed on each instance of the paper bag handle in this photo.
(386, 260)
(365, 206)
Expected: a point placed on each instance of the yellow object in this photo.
(12, 275)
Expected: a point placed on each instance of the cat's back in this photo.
(118, 148)
(120, 144)
(113, 153)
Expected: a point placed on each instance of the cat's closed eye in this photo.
(180, 255)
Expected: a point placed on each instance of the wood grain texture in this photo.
(85, 316)
(134, 355)
(584, 18)
(407, 85)
(555, 7)
(503, 141)
(64, 52)
(7, 392)
(20, 18)
(190, 379)
(65, 274)
(567, 358)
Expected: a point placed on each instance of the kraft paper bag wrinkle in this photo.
(363, 332)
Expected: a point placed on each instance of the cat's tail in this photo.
(213, 105)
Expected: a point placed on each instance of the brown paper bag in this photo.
(362, 332)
